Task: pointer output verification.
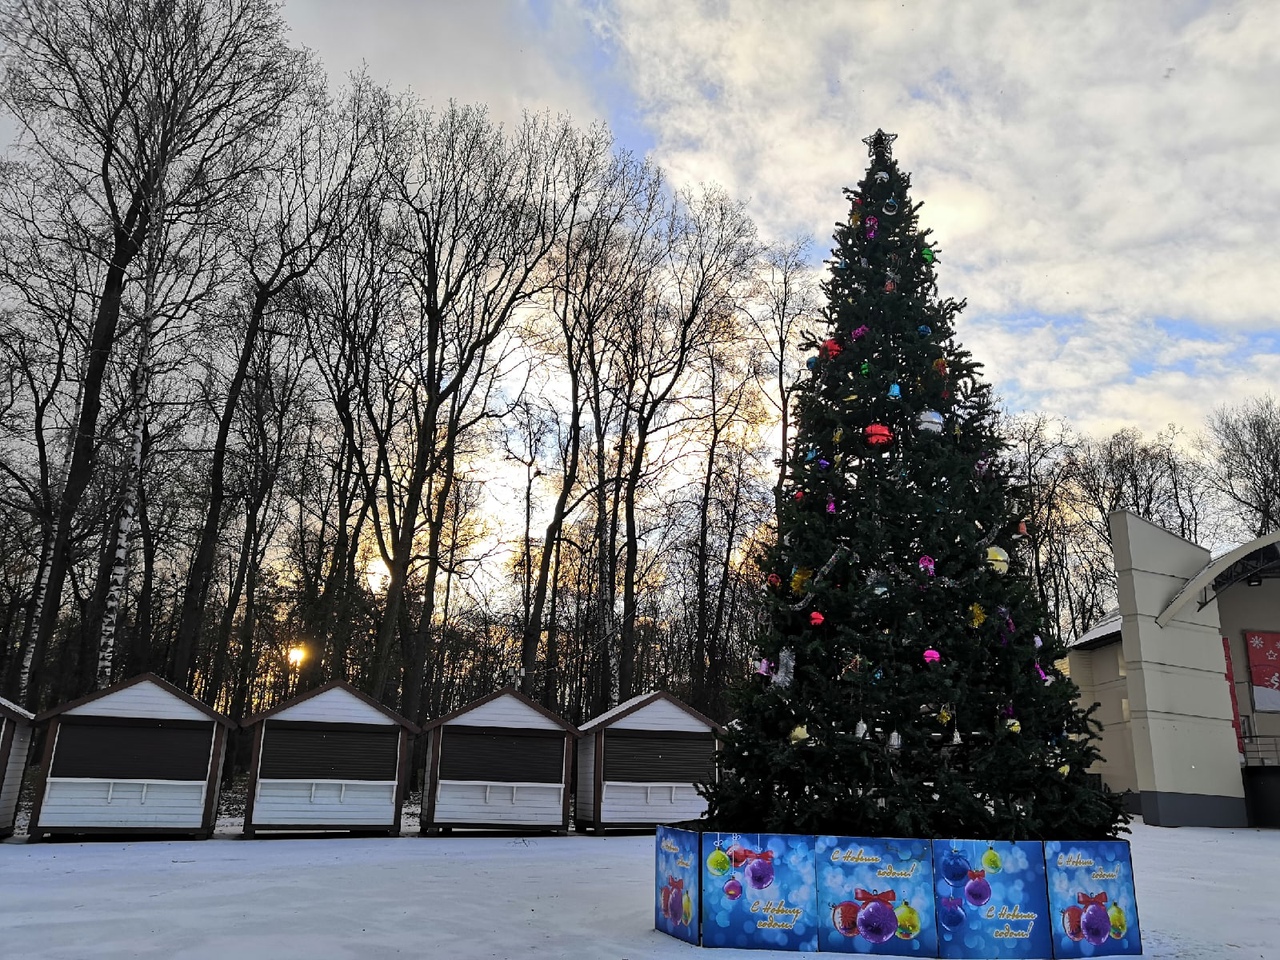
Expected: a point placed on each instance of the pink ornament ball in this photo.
(816, 619)
(932, 656)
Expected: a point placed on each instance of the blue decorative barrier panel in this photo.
(676, 901)
(991, 899)
(885, 897)
(1092, 899)
(875, 896)
(758, 891)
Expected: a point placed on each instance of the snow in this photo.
(1202, 893)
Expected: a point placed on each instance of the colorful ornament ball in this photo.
(955, 868)
(991, 861)
(718, 863)
(878, 435)
(977, 891)
(929, 421)
(1071, 924)
(844, 917)
(908, 921)
(951, 912)
(877, 922)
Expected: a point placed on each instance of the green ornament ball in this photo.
(991, 861)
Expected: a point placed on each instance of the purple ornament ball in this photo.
(1095, 924)
(733, 888)
(878, 923)
(951, 912)
(760, 875)
(955, 868)
(977, 891)
(675, 906)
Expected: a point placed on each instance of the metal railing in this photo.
(1262, 751)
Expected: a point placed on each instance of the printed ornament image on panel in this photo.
(875, 896)
(990, 899)
(759, 892)
(1091, 899)
(676, 900)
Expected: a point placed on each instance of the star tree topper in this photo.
(880, 144)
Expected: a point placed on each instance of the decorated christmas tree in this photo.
(907, 684)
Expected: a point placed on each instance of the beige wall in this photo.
(1184, 745)
(1100, 674)
(1240, 608)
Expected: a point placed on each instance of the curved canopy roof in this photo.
(1218, 574)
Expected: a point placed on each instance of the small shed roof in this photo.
(344, 687)
(639, 702)
(150, 678)
(12, 711)
(497, 694)
(1100, 634)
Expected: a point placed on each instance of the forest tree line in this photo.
(301, 383)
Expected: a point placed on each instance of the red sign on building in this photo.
(1264, 669)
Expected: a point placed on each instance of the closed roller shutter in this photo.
(480, 753)
(309, 752)
(160, 750)
(655, 758)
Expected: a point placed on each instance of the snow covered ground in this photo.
(1202, 894)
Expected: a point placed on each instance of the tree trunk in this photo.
(80, 469)
(193, 597)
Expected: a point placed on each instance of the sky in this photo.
(1101, 178)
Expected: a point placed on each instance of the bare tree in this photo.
(786, 296)
(1244, 445)
(475, 212)
(114, 100)
(601, 264)
(290, 220)
(709, 249)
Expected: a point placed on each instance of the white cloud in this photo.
(1113, 163)
(512, 56)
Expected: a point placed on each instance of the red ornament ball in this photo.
(816, 619)
(844, 917)
(1071, 925)
(775, 580)
(799, 494)
(878, 435)
(831, 348)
